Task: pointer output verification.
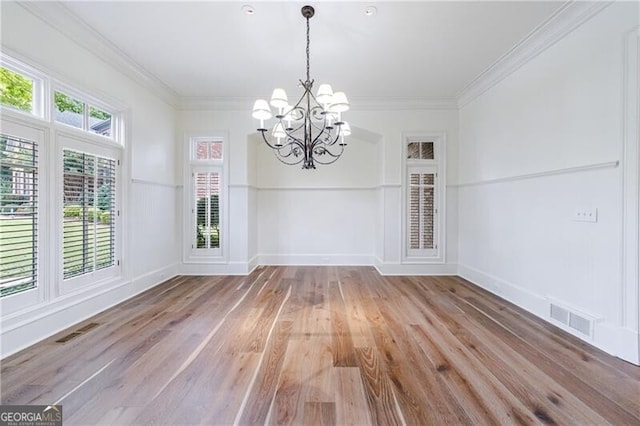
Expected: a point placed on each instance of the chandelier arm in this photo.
(323, 133)
(292, 148)
(264, 138)
(337, 137)
(292, 141)
(328, 152)
(293, 130)
(334, 157)
(281, 159)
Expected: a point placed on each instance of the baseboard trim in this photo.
(19, 332)
(419, 269)
(615, 340)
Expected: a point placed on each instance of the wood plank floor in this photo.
(321, 345)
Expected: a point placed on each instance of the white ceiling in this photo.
(420, 50)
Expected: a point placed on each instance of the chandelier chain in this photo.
(308, 41)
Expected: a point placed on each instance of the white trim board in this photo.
(545, 173)
(566, 19)
(152, 183)
(630, 180)
(611, 338)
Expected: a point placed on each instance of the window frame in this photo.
(191, 254)
(24, 300)
(436, 255)
(88, 102)
(208, 252)
(40, 90)
(84, 143)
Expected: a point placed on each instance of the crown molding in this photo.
(66, 22)
(206, 103)
(566, 19)
(357, 104)
(369, 104)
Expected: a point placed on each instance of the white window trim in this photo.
(19, 301)
(50, 81)
(205, 256)
(439, 139)
(64, 140)
(41, 87)
(116, 118)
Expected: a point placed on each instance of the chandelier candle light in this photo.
(311, 131)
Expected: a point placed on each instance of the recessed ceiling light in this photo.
(370, 10)
(248, 10)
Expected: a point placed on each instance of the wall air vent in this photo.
(559, 314)
(571, 319)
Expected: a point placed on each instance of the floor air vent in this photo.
(78, 332)
(571, 319)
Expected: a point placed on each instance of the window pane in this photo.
(421, 211)
(414, 218)
(207, 209)
(105, 212)
(16, 90)
(18, 215)
(427, 218)
(413, 150)
(426, 150)
(208, 150)
(99, 122)
(69, 111)
(202, 150)
(89, 207)
(215, 150)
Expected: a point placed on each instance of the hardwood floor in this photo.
(321, 345)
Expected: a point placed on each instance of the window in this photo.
(18, 215)
(207, 198)
(207, 209)
(420, 151)
(424, 195)
(56, 173)
(20, 87)
(422, 209)
(89, 184)
(82, 115)
(16, 90)
(208, 150)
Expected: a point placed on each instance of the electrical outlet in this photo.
(586, 215)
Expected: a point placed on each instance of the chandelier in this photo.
(310, 131)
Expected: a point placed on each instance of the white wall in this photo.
(391, 125)
(240, 245)
(543, 143)
(149, 212)
(322, 216)
(346, 213)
